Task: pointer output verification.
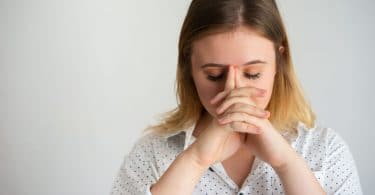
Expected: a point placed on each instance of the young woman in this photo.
(242, 125)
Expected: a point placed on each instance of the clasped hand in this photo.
(238, 117)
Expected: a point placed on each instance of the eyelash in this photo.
(249, 76)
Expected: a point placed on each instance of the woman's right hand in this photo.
(218, 142)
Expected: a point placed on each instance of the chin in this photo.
(211, 111)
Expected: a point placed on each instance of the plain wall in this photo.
(80, 79)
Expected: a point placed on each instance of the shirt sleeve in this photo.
(341, 175)
(137, 172)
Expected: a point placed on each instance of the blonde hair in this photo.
(287, 105)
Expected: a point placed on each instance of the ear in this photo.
(281, 49)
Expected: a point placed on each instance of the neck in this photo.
(202, 123)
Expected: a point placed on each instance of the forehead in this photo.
(235, 47)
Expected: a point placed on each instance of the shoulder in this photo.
(318, 144)
(318, 136)
(147, 144)
(138, 170)
(330, 158)
(157, 148)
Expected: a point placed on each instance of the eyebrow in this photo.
(224, 65)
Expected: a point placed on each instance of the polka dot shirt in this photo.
(325, 152)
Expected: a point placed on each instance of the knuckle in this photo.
(250, 107)
(224, 105)
(240, 125)
(234, 106)
(229, 115)
(230, 95)
(243, 125)
(238, 106)
(243, 116)
(251, 126)
(227, 112)
(235, 124)
(251, 103)
(260, 111)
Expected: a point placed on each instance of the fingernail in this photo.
(222, 120)
(267, 113)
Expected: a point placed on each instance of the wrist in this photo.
(289, 159)
(182, 174)
(190, 155)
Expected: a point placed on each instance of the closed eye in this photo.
(221, 76)
(215, 78)
(252, 76)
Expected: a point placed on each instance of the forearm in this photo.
(181, 176)
(297, 177)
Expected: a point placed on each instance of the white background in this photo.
(80, 79)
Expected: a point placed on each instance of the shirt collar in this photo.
(184, 135)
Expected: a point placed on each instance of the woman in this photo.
(242, 125)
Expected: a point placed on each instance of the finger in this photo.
(219, 97)
(230, 82)
(247, 91)
(248, 109)
(241, 117)
(228, 102)
(237, 80)
(242, 91)
(244, 127)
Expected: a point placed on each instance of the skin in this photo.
(233, 48)
(235, 119)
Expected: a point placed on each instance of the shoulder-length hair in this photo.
(287, 105)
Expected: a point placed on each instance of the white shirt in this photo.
(325, 152)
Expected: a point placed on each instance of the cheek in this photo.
(206, 91)
(265, 83)
(267, 98)
(262, 102)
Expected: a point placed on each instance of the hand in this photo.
(239, 111)
(219, 141)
